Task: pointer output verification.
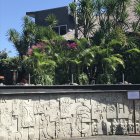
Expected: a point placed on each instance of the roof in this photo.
(32, 14)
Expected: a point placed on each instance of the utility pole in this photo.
(76, 20)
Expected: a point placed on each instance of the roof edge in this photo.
(34, 12)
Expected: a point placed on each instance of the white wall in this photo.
(38, 117)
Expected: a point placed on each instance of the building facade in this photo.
(66, 25)
(65, 20)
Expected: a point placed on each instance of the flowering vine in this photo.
(39, 47)
(72, 45)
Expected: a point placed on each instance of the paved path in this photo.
(107, 138)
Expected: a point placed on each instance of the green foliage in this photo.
(13, 35)
(3, 54)
(23, 40)
(40, 67)
(137, 8)
(31, 34)
(7, 65)
(51, 20)
(132, 65)
(72, 8)
(44, 33)
(84, 13)
(102, 55)
(119, 35)
(106, 79)
(136, 24)
(83, 79)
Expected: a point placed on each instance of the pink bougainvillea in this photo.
(72, 45)
(30, 51)
(38, 46)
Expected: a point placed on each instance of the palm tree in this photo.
(136, 24)
(106, 64)
(51, 20)
(84, 14)
(14, 37)
(23, 41)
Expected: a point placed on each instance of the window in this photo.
(61, 30)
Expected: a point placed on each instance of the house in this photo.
(65, 24)
(65, 20)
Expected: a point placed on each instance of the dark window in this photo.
(61, 30)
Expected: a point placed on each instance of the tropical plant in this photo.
(132, 65)
(84, 13)
(136, 24)
(106, 63)
(107, 50)
(31, 34)
(39, 65)
(23, 41)
(7, 66)
(83, 79)
(51, 20)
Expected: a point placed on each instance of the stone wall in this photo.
(50, 116)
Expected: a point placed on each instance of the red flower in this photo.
(39, 47)
(72, 45)
(30, 51)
